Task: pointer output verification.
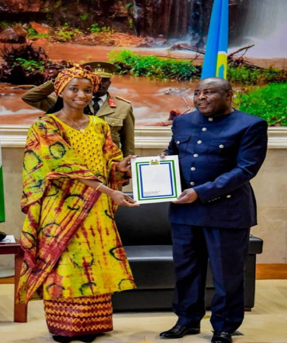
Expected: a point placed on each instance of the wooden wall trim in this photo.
(271, 271)
(263, 272)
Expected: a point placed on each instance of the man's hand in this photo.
(125, 165)
(186, 197)
(163, 154)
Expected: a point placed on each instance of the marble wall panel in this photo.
(270, 187)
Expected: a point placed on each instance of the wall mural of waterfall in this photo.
(265, 26)
(157, 45)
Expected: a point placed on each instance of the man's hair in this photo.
(222, 83)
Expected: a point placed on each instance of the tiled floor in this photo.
(266, 323)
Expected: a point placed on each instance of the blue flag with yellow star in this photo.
(215, 59)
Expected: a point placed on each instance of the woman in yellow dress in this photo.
(74, 258)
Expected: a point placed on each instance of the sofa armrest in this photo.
(255, 245)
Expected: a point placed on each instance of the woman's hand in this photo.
(118, 197)
(125, 165)
(122, 199)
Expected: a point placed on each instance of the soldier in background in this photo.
(116, 111)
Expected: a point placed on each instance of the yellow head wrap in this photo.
(66, 75)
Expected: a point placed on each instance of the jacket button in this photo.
(204, 129)
(195, 155)
(221, 146)
(228, 196)
(199, 142)
(192, 168)
(210, 119)
(191, 183)
(177, 142)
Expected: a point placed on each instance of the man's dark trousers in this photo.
(227, 250)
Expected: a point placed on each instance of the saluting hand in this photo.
(186, 197)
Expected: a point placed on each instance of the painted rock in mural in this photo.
(13, 35)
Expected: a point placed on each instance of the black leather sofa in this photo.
(145, 234)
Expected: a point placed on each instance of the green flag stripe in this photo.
(2, 205)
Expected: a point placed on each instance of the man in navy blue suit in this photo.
(220, 150)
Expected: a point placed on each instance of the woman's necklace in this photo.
(82, 130)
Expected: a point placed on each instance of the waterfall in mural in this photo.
(169, 18)
(259, 22)
(265, 26)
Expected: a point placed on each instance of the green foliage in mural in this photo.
(107, 29)
(64, 36)
(268, 102)
(153, 66)
(243, 75)
(168, 68)
(58, 4)
(3, 25)
(25, 64)
(32, 66)
(95, 29)
(67, 33)
(84, 16)
(32, 34)
(250, 76)
(131, 23)
(129, 5)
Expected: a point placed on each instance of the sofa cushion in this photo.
(144, 225)
(146, 236)
(149, 253)
(148, 225)
(152, 266)
(143, 300)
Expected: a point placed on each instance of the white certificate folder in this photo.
(155, 179)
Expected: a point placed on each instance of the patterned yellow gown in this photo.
(92, 265)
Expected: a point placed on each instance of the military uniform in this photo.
(116, 111)
(217, 157)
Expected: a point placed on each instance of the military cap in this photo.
(103, 69)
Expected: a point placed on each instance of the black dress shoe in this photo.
(179, 331)
(87, 338)
(84, 338)
(221, 337)
(62, 339)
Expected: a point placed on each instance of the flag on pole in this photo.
(215, 59)
(2, 204)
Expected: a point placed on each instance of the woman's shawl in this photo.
(52, 190)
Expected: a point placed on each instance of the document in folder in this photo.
(155, 179)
